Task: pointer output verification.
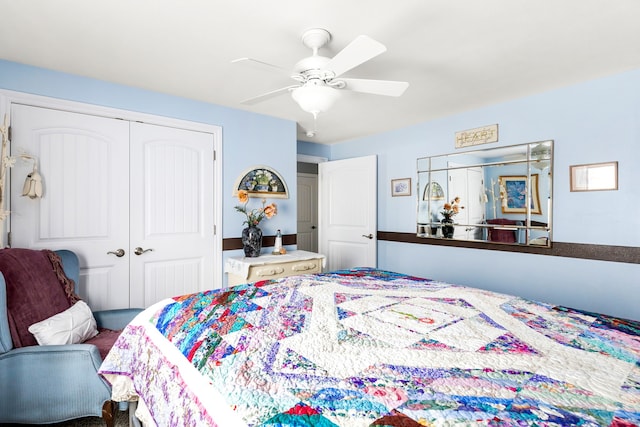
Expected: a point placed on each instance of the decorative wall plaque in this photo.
(477, 136)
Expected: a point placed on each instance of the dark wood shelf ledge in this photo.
(626, 254)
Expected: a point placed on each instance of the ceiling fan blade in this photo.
(360, 50)
(377, 87)
(268, 95)
(260, 65)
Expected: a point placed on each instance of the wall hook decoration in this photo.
(33, 183)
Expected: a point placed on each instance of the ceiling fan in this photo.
(319, 82)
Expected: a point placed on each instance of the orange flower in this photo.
(451, 209)
(254, 216)
(270, 210)
(243, 196)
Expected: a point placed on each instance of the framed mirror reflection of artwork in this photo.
(501, 195)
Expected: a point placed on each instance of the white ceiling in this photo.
(457, 55)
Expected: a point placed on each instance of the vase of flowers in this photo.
(449, 211)
(252, 234)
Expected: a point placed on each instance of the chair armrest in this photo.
(54, 357)
(115, 319)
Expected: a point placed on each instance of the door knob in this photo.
(368, 236)
(118, 252)
(140, 251)
(313, 227)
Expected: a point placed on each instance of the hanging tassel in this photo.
(32, 187)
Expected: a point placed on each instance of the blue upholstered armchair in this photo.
(42, 384)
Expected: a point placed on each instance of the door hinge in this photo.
(9, 239)
(214, 155)
(9, 133)
(215, 229)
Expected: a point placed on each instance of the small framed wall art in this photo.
(401, 187)
(262, 182)
(594, 177)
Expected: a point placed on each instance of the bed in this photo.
(365, 347)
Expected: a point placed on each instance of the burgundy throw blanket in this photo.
(37, 289)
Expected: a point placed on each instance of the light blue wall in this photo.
(591, 122)
(248, 139)
(595, 121)
(311, 149)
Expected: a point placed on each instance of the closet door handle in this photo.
(118, 252)
(368, 236)
(140, 251)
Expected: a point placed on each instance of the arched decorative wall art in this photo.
(261, 181)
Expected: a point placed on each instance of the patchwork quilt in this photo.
(365, 347)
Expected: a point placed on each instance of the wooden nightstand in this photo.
(244, 270)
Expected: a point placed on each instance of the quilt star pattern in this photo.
(366, 347)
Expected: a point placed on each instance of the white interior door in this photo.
(307, 194)
(467, 183)
(475, 193)
(172, 212)
(347, 199)
(84, 162)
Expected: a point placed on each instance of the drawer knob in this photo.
(271, 272)
(303, 267)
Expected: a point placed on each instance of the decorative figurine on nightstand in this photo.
(277, 248)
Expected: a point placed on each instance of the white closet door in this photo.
(172, 212)
(84, 161)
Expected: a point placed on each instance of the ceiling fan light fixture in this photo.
(315, 99)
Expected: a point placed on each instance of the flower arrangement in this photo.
(263, 177)
(254, 216)
(452, 209)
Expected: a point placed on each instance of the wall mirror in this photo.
(501, 195)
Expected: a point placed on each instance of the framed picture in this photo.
(513, 192)
(594, 177)
(401, 187)
(263, 182)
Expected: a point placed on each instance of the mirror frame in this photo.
(529, 222)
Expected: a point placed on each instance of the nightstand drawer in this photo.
(276, 267)
(276, 271)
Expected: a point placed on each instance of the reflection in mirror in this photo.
(501, 195)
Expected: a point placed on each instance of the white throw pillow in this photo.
(74, 325)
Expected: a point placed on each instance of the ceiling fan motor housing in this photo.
(313, 65)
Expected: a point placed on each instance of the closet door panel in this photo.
(83, 160)
(172, 216)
